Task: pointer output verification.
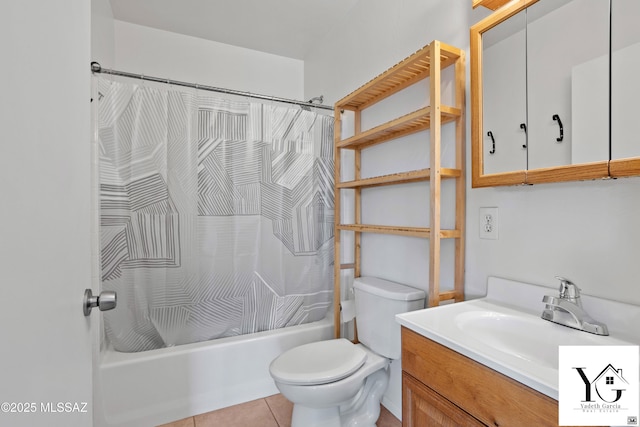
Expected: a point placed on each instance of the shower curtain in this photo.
(216, 215)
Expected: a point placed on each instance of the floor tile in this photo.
(187, 422)
(273, 411)
(281, 409)
(251, 414)
(387, 419)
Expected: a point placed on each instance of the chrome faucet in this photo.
(566, 310)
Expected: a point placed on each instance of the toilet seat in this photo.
(319, 362)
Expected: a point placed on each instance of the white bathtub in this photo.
(160, 386)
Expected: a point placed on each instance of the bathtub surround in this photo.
(215, 214)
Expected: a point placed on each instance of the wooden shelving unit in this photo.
(428, 62)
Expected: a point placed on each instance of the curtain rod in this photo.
(97, 68)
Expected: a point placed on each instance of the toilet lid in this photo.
(319, 362)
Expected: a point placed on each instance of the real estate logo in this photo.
(598, 385)
(609, 385)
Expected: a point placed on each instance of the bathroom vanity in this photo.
(494, 361)
(444, 388)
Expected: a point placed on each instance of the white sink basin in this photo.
(521, 334)
(509, 339)
(506, 333)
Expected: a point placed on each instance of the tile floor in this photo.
(273, 411)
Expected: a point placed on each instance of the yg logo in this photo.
(607, 384)
(598, 385)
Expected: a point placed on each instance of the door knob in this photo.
(107, 300)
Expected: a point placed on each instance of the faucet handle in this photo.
(569, 290)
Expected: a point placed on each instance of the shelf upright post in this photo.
(461, 184)
(435, 180)
(337, 267)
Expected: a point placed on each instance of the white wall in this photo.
(158, 53)
(102, 33)
(376, 35)
(586, 231)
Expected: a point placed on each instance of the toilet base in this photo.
(362, 411)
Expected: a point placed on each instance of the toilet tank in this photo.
(377, 303)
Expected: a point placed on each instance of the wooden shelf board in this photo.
(448, 295)
(399, 178)
(410, 70)
(402, 231)
(386, 229)
(450, 234)
(406, 125)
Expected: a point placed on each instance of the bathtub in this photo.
(164, 385)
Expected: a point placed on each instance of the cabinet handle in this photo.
(557, 118)
(523, 126)
(493, 142)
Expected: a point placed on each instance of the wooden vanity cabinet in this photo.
(441, 387)
(424, 407)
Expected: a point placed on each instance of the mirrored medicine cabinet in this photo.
(554, 87)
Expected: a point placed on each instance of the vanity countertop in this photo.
(504, 331)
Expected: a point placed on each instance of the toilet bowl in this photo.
(330, 395)
(337, 383)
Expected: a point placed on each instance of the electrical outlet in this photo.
(489, 223)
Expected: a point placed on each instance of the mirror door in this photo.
(625, 87)
(504, 85)
(566, 93)
(567, 82)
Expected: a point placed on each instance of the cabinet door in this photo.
(424, 407)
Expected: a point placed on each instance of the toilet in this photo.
(336, 383)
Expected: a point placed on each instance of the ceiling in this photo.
(281, 27)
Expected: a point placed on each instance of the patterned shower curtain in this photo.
(216, 216)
